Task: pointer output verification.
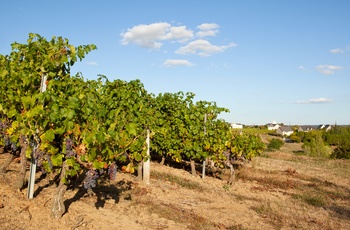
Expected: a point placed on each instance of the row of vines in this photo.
(89, 127)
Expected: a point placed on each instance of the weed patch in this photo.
(316, 200)
(183, 182)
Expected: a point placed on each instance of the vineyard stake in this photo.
(147, 163)
(32, 169)
(205, 132)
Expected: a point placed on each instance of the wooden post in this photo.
(205, 132)
(147, 163)
(32, 169)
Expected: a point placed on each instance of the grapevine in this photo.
(79, 125)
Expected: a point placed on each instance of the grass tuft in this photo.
(316, 200)
(183, 182)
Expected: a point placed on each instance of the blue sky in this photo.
(284, 61)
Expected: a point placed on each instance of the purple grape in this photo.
(90, 179)
(70, 153)
(69, 144)
(14, 147)
(48, 158)
(9, 145)
(7, 141)
(3, 125)
(38, 154)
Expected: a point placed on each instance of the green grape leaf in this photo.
(57, 159)
(131, 128)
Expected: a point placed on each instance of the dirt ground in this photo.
(280, 190)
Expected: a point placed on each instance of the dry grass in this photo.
(288, 191)
(310, 185)
(308, 192)
(173, 179)
(281, 190)
(180, 215)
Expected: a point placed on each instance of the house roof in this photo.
(324, 126)
(286, 129)
(308, 127)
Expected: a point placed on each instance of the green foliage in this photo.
(314, 145)
(274, 144)
(105, 121)
(294, 137)
(340, 153)
(262, 129)
(339, 137)
(168, 123)
(184, 129)
(244, 144)
(273, 133)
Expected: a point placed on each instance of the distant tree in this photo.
(274, 144)
(339, 137)
(315, 146)
(295, 138)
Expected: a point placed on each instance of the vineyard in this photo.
(70, 127)
(66, 141)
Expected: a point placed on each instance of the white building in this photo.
(236, 126)
(273, 126)
(285, 131)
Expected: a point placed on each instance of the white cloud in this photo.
(337, 51)
(151, 36)
(92, 63)
(303, 68)
(207, 33)
(180, 33)
(203, 48)
(172, 62)
(320, 100)
(208, 26)
(207, 29)
(328, 69)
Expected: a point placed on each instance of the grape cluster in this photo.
(48, 158)
(14, 147)
(38, 156)
(69, 151)
(112, 171)
(7, 141)
(3, 126)
(89, 181)
(9, 145)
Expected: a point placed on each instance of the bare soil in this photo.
(281, 190)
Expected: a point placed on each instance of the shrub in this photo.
(340, 153)
(274, 144)
(315, 147)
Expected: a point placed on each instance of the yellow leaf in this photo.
(72, 49)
